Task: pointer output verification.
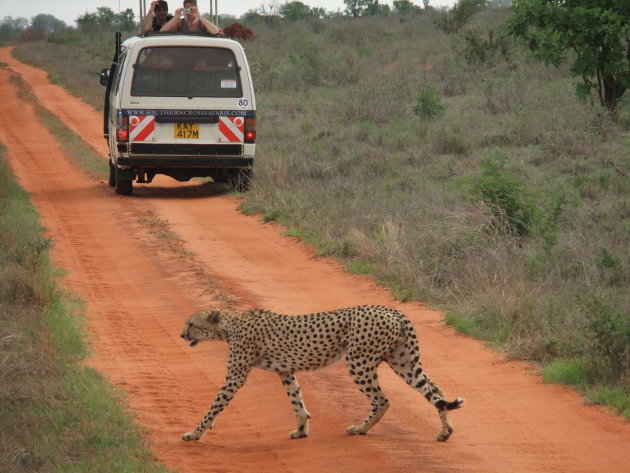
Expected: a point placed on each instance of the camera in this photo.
(186, 10)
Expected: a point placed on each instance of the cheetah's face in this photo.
(202, 326)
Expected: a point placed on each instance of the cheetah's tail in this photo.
(443, 404)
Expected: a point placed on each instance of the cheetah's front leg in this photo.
(295, 395)
(233, 382)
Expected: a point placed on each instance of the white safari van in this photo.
(181, 105)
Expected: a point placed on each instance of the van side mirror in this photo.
(104, 76)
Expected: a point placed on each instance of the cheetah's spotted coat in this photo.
(367, 335)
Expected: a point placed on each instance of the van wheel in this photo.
(122, 186)
(239, 180)
(112, 174)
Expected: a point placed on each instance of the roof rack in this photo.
(181, 33)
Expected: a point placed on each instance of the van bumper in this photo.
(185, 162)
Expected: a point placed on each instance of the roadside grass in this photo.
(56, 414)
(472, 179)
(74, 62)
(160, 230)
(79, 152)
(577, 373)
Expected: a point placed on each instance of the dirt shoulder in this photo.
(140, 286)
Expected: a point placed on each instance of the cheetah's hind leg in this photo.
(405, 361)
(367, 381)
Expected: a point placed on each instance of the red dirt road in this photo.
(139, 288)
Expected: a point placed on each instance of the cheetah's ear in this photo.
(212, 316)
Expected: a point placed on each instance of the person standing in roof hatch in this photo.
(157, 17)
(189, 19)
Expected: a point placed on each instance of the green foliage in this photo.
(429, 103)
(616, 398)
(574, 373)
(596, 31)
(360, 267)
(12, 29)
(479, 50)
(505, 196)
(106, 19)
(610, 331)
(454, 20)
(68, 36)
(39, 27)
(298, 11)
(307, 61)
(47, 24)
(405, 7)
(366, 8)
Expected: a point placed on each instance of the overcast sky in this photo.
(69, 10)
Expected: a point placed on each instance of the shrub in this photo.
(67, 36)
(478, 50)
(455, 19)
(610, 331)
(307, 61)
(570, 373)
(429, 104)
(505, 196)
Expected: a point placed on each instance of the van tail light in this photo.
(122, 128)
(250, 130)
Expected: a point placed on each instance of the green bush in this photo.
(67, 36)
(455, 19)
(506, 196)
(478, 50)
(307, 62)
(429, 103)
(610, 331)
(574, 373)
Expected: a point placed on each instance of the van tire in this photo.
(239, 180)
(112, 174)
(122, 186)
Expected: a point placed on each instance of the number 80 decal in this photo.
(243, 103)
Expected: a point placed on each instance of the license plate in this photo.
(186, 130)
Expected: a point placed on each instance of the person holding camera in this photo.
(189, 19)
(157, 17)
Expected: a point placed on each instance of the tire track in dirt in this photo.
(138, 296)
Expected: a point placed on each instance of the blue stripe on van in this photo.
(187, 113)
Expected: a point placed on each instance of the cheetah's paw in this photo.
(194, 435)
(356, 430)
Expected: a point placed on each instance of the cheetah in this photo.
(367, 335)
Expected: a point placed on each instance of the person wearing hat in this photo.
(157, 16)
(190, 19)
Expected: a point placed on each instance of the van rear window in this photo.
(186, 72)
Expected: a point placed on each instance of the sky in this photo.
(69, 10)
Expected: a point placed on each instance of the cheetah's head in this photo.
(201, 326)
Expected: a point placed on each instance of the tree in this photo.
(295, 11)
(11, 28)
(106, 19)
(353, 7)
(454, 20)
(47, 24)
(365, 8)
(597, 31)
(405, 7)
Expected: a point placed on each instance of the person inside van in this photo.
(157, 17)
(189, 19)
